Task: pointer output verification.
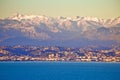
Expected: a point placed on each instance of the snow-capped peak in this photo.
(62, 20)
(91, 19)
(17, 16)
(116, 20)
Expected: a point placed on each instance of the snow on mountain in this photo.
(17, 16)
(61, 29)
(65, 21)
(116, 21)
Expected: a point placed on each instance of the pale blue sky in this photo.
(97, 8)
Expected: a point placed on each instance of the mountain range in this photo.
(78, 31)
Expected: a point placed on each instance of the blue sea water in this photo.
(59, 71)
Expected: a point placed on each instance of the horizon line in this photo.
(16, 13)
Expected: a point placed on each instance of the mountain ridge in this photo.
(60, 30)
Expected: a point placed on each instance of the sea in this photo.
(35, 70)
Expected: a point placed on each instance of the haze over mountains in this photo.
(79, 31)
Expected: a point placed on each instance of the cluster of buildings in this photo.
(55, 53)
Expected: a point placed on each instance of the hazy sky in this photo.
(97, 8)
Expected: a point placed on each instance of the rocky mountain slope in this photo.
(62, 31)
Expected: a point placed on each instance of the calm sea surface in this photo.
(59, 71)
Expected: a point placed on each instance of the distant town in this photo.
(55, 53)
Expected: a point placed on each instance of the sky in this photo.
(95, 8)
